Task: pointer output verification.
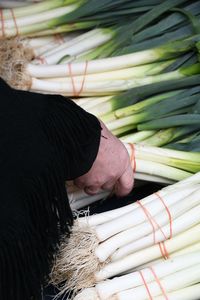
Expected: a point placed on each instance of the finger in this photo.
(79, 183)
(125, 183)
(92, 190)
(109, 185)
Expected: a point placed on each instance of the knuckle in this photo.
(79, 183)
(96, 183)
(112, 174)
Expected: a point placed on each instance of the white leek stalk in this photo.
(169, 283)
(87, 41)
(57, 40)
(32, 9)
(153, 178)
(187, 250)
(93, 102)
(141, 236)
(158, 169)
(88, 201)
(91, 88)
(189, 293)
(132, 285)
(95, 66)
(106, 289)
(131, 219)
(179, 225)
(126, 73)
(41, 17)
(126, 221)
(77, 40)
(189, 237)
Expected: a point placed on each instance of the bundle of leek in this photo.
(20, 74)
(43, 17)
(41, 45)
(89, 43)
(175, 278)
(108, 244)
(53, 16)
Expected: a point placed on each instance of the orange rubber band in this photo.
(163, 250)
(75, 92)
(152, 221)
(72, 78)
(83, 82)
(146, 285)
(168, 212)
(159, 283)
(155, 226)
(132, 157)
(2, 23)
(15, 22)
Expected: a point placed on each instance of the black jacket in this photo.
(44, 140)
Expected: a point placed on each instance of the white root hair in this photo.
(14, 56)
(76, 262)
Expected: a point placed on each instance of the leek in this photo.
(181, 200)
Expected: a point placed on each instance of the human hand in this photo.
(111, 169)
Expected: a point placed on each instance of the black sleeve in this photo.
(44, 140)
(77, 135)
